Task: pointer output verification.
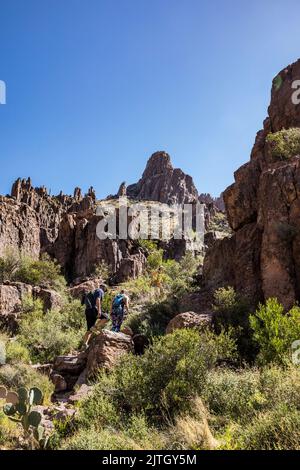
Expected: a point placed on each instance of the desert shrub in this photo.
(191, 431)
(280, 386)
(275, 330)
(22, 375)
(46, 272)
(51, 334)
(135, 435)
(147, 245)
(276, 429)
(237, 397)
(107, 301)
(284, 143)
(171, 372)
(233, 394)
(16, 353)
(102, 270)
(154, 318)
(232, 311)
(139, 289)
(9, 264)
(99, 407)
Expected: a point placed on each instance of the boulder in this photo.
(131, 267)
(106, 349)
(187, 320)
(11, 294)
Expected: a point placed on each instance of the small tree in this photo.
(275, 331)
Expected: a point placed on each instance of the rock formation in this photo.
(261, 260)
(161, 182)
(187, 320)
(34, 222)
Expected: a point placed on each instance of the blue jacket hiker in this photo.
(119, 304)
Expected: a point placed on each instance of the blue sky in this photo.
(94, 87)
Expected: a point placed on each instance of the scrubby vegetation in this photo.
(15, 266)
(232, 386)
(275, 331)
(284, 144)
(48, 335)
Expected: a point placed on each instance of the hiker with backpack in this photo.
(119, 304)
(93, 306)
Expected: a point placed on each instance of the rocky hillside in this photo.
(262, 258)
(35, 222)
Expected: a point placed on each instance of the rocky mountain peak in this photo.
(159, 163)
(163, 183)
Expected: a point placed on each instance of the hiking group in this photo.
(93, 308)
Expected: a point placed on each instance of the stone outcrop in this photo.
(74, 370)
(262, 258)
(11, 295)
(161, 182)
(106, 349)
(187, 320)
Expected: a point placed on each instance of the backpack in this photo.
(118, 303)
(89, 299)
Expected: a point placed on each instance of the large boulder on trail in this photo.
(106, 349)
(187, 320)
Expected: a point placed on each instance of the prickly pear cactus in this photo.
(18, 408)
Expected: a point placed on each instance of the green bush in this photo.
(18, 267)
(45, 272)
(102, 270)
(172, 370)
(154, 318)
(9, 433)
(275, 331)
(9, 264)
(136, 435)
(233, 394)
(285, 143)
(238, 397)
(277, 429)
(54, 333)
(16, 353)
(232, 311)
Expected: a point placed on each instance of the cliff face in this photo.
(262, 258)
